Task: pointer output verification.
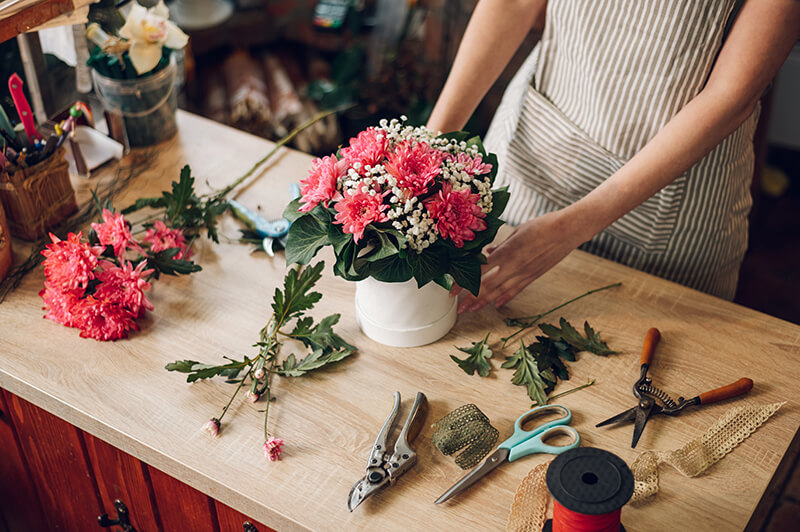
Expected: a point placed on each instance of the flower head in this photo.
(69, 264)
(114, 231)
(414, 165)
(148, 30)
(273, 448)
(472, 165)
(102, 320)
(124, 285)
(456, 214)
(320, 185)
(357, 210)
(60, 304)
(369, 147)
(212, 426)
(260, 373)
(161, 237)
(252, 396)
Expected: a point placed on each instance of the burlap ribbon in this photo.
(529, 509)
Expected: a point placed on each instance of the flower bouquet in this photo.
(401, 203)
(134, 74)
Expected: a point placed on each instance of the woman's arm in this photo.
(495, 31)
(758, 44)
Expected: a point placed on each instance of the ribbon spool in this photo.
(589, 487)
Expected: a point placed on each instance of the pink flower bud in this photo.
(273, 448)
(212, 426)
(260, 373)
(252, 397)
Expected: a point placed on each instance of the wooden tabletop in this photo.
(120, 392)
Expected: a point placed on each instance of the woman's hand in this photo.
(533, 248)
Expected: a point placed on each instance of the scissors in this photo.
(269, 231)
(522, 443)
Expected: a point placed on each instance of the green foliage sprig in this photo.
(289, 306)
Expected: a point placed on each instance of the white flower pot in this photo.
(402, 315)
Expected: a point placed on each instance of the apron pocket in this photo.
(557, 159)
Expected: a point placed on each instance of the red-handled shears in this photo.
(23, 109)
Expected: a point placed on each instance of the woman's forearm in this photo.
(495, 31)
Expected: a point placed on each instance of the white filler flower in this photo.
(148, 30)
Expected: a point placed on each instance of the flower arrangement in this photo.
(400, 202)
(145, 43)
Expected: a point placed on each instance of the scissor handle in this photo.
(515, 443)
(650, 342)
(536, 443)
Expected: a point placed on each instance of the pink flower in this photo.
(114, 231)
(260, 373)
(472, 166)
(414, 165)
(456, 214)
(124, 286)
(102, 320)
(321, 183)
(357, 210)
(161, 237)
(60, 304)
(368, 148)
(252, 396)
(212, 426)
(69, 264)
(273, 448)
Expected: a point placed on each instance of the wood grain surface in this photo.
(119, 391)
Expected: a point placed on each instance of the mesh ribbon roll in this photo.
(529, 509)
(468, 430)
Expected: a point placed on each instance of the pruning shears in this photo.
(653, 400)
(268, 231)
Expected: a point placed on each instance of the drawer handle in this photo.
(249, 527)
(122, 519)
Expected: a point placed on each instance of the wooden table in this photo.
(120, 392)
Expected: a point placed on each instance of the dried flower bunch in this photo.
(400, 202)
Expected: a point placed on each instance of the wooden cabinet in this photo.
(55, 477)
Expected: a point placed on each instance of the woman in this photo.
(628, 131)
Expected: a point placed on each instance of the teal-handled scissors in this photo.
(522, 443)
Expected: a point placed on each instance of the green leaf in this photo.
(141, 203)
(382, 246)
(292, 210)
(595, 344)
(338, 238)
(566, 333)
(428, 265)
(500, 199)
(445, 281)
(527, 374)
(295, 298)
(164, 262)
(478, 359)
(182, 192)
(198, 371)
(466, 272)
(306, 236)
(393, 269)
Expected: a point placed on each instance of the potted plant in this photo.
(407, 212)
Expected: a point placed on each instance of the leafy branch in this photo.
(289, 304)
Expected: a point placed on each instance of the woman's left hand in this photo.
(532, 249)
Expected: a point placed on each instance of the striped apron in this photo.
(603, 80)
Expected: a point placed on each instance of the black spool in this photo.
(589, 481)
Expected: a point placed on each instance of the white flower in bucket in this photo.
(148, 30)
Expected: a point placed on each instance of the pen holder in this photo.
(39, 197)
(6, 257)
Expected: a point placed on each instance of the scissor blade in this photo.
(642, 414)
(363, 489)
(628, 415)
(495, 459)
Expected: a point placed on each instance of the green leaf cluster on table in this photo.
(478, 359)
(289, 304)
(382, 253)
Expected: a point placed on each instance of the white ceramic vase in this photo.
(402, 315)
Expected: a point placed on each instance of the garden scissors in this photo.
(522, 443)
(269, 231)
(383, 470)
(647, 394)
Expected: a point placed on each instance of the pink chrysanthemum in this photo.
(124, 285)
(103, 320)
(273, 448)
(472, 166)
(357, 210)
(414, 165)
(320, 185)
(69, 264)
(161, 237)
(60, 304)
(368, 148)
(114, 231)
(456, 214)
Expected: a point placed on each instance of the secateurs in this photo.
(383, 470)
(653, 400)
(268, 231)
